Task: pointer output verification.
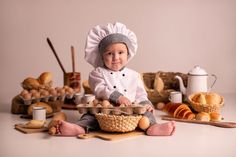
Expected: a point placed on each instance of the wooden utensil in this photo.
(110, 136)
(73, 59)
(219, 124)
(58, 60)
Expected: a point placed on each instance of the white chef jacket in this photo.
(104, 82)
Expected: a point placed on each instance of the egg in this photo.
(44, 93)
(160, 105)
(33, 91)
(26, 96)
(66, 87)
(57, 88)
(69, 90)
(96, 102)
(61, 91)
(105, 103)
(144, 123)
(36, 95)
(23, 92)
(53, 92)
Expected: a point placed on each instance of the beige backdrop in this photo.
(173, 35)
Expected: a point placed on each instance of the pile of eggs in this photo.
(53, 94)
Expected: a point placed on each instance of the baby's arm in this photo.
(141, 96)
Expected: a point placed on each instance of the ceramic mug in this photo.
(78, 98)
(175, 97)
(39, 113)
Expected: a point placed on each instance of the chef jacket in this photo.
(127, 82)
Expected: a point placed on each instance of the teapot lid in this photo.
(197, 70)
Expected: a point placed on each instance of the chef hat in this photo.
(100, 37)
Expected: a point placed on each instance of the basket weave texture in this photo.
(117, 123)
(158, 85)
(199, 107)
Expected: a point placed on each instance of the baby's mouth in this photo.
(116, 63)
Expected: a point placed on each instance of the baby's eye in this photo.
(109, 53)
(121, 52)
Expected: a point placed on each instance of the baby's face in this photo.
(115, 56)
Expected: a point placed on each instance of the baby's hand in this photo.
(124, 100)
(149, 108)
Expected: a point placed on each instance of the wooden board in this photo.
(29, 131)
(218, 124)
(110, 136)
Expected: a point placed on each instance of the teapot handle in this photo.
(215, 78)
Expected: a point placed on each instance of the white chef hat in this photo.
(100, 37)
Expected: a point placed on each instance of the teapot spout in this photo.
(181, 84)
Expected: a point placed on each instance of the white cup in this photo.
(39, 113)
(88, 98)
(78, 98)
(175, 97)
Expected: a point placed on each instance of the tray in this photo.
(127, 110)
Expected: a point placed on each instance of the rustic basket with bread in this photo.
(158, 85)
(206, 102)
(118, 123)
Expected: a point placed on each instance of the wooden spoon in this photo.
(219, 124)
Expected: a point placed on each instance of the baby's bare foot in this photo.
(165, 129)
(69, 129)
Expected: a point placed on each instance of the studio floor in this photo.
(195, 140)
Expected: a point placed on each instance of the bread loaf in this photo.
(45, 78)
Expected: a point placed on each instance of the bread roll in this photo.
(30, 83)
(201, 99)
(40, 104)
(203, 116)
(45, 78)
(215, 117)
(213, 98)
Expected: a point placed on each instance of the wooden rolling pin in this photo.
(219, 124)
(52, 125)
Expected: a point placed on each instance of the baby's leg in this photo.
(164, 129)
(155, 129)
(69, 129)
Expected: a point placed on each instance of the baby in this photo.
(109, 49)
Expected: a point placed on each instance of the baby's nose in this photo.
(115, 56)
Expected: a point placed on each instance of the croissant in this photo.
(179, 110)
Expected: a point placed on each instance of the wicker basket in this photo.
(117, 123)
(158, 85)
(199, 107)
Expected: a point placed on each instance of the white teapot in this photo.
(197, 81)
